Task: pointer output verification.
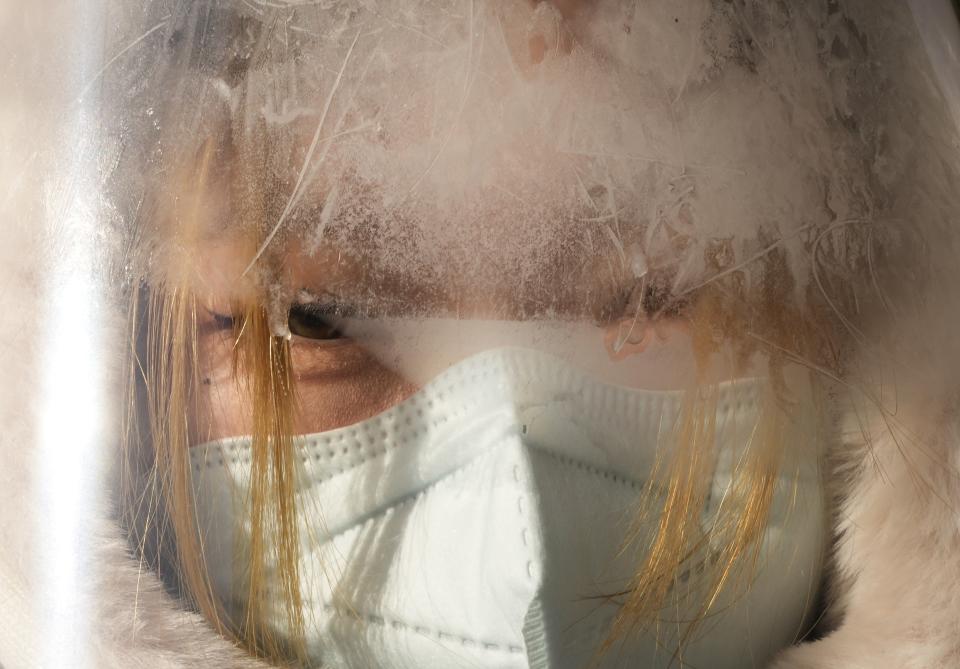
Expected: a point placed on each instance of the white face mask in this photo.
(475, 524)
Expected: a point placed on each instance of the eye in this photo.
(314, 321)
(222, 321)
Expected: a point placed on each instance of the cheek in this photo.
(224, 408)
(341, 384)
(337, 384)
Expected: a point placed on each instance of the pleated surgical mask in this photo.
(479, 523)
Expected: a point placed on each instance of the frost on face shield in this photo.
(551, 161)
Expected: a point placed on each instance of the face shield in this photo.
(462, 334)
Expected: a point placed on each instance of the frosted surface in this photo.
(534, 161)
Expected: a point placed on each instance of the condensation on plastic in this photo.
(486, 154)
(502, 161)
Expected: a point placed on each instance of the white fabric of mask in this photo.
(479, 523)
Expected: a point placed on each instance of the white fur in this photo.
(897, 558)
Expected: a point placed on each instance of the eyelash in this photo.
(311, 321)
(314, 320)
